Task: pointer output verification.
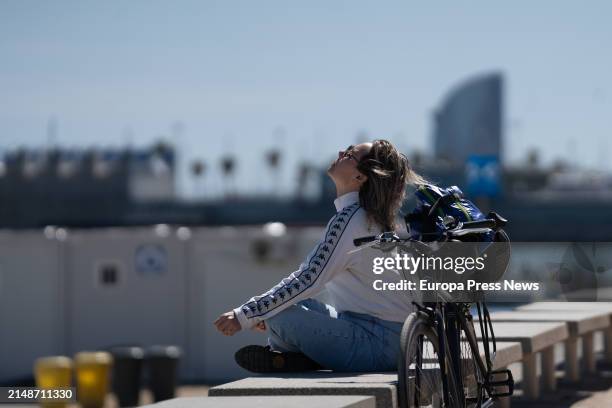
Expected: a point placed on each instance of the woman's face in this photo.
(343, 170)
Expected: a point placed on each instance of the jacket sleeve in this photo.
(328, 257)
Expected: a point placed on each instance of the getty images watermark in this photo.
(438, 268)
(522, 271)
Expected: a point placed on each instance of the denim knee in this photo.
(283, 318)
(282, 325)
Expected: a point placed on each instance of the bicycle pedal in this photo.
(500, 383)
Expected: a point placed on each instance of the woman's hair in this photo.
(388, 173)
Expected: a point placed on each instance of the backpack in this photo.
(439, 209)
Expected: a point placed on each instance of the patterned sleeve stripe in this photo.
(308, 275)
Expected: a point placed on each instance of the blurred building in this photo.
(98, 188)
(93, 187)
(470, 120)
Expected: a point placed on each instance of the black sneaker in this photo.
(260, 359)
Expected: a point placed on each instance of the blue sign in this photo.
(483, 175)
(151, 259)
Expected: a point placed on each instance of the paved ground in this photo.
(145, 397)
(593, 392)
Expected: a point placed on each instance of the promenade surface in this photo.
(593, 392)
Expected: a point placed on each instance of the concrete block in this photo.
(380, 385)
(329, 401)
(578, 322)
(533, 336)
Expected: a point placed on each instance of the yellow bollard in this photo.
(92, 377)
(53, 373)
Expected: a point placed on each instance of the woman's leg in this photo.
(342, 344)
(386, 335)
(277, 343)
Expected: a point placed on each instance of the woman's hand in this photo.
(261, 326)
(228, 324)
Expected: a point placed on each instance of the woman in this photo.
(361, 331)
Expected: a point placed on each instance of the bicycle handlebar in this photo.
(364, 240)
(488, 223)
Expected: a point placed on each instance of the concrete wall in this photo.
(224, 274)
(143, 299)
(91, 289)
(31, 301)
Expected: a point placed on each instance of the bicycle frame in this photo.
(452, 319)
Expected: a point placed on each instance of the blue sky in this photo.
(232, 72)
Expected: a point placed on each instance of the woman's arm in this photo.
(328, 257)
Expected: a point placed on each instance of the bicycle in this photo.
(440, 362)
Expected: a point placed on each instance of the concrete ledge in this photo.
(578, 322)
(346, 401)
(380, 385)
(604, 307)
(507, 353)
(533, 337)
(559, 306)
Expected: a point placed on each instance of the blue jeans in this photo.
(343, 342)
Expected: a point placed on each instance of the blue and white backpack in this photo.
(438, 209)
(442, 209)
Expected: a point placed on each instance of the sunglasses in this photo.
(348, 153)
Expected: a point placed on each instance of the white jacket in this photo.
(348, 278)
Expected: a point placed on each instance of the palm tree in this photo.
(273, 158)
(228, 166)
(198, 168)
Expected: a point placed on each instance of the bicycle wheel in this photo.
(420, 376)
